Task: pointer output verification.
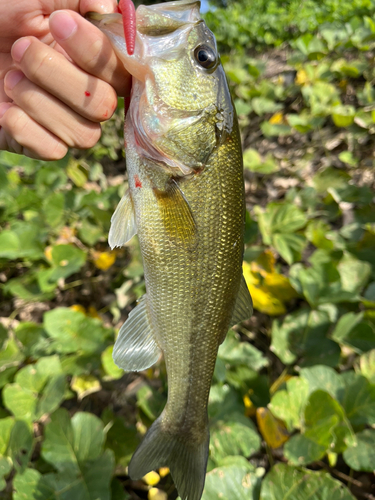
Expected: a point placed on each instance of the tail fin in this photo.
(186, 459)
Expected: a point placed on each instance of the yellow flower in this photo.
(104, 260)
(301, 77)
(78, 308)
(276, 119)
(163, 471)
(152, 478)
(156, 494)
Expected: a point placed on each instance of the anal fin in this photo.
(135, 347)
(123, 225)
(243, 308)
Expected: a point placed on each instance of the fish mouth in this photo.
(153, 23)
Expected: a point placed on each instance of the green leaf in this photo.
(77, 174)
(234, 352)
(361, 456)
(236, 435)
(280, 218)
(324, 378)
(367, 366)
(321, 284)
(304, 122)
(358, 399)
(310, 348)
(303, 450)
(90, 233)
(316, 232)
(20, 445)
(38, 389)
(23, 240)
(275, 130)
(67, 260)
(253, 162)
(223, 401)
(123, 440)
(52, 396)
(112, 371)
(69, 443)
(84, 385)
(73, 331)
(117, 491)
(5, 468)
(231, 481)
(75, 448)
(33, 338)
(9, 245)
(21, 402)
(352, 331)
(150, 401)
(31, 485)
(289, 246)
(354, 273)
(326, 429)
(343, 116)
(285, 482)
(53, 209)
(6, 425)
(10, 354)
(262, 105)
(288, 405)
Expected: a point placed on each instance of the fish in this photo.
(186, 204)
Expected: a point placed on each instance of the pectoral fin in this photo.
(136, 348)
(123, 225)
(243, 308)
(176, 214)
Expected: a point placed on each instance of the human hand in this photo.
(65, 82)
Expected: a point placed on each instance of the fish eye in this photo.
(205, 56)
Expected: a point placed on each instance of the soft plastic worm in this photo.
(127, 9)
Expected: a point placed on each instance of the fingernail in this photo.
(12, 78)
(62, 25)
(19, 48)
(4, 106)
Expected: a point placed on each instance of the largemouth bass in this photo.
(186, 203)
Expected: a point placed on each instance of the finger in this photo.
(20, 134)
(6, 63)
(87, 95)
(90, 49)
(101, 6)
(50, 113)
(83, 6)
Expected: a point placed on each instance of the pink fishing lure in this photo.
(127, 9)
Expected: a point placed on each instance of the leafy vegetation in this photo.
(292, 406)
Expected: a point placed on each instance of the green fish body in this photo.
(186, 203)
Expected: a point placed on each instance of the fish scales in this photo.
(186, 203)
(190, 290)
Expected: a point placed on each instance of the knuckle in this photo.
(106, 105)
(94, 58)
(87, 137)
(38, 63)
(56, 152)
(16, 122)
